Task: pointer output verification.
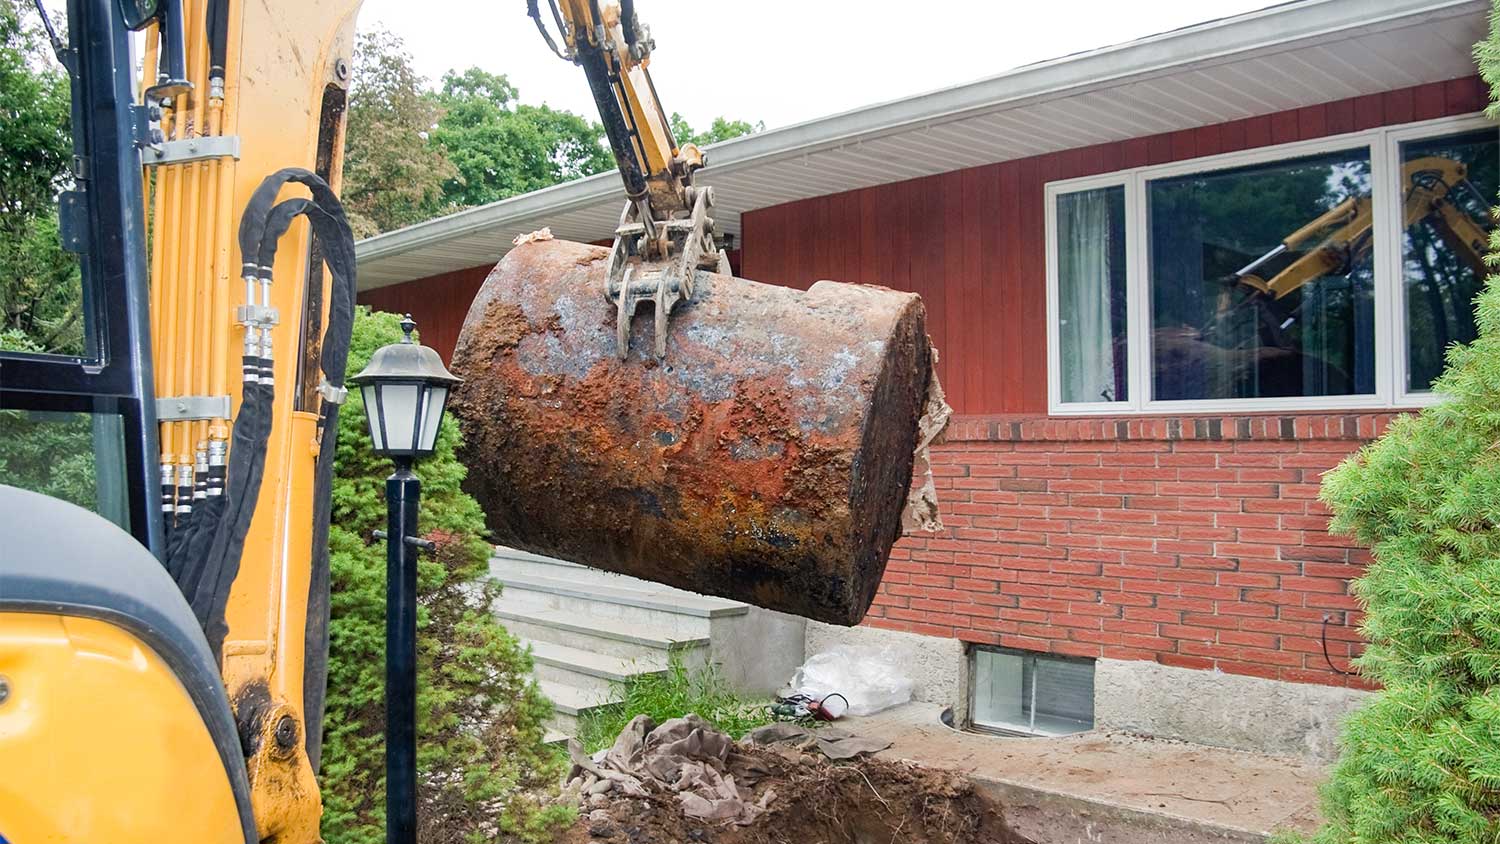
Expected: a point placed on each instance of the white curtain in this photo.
(1083, 279)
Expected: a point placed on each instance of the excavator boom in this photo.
(666, 231)
(1343, 233)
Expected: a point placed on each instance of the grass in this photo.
(674, 693)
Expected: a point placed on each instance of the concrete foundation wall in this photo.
(937, 666)
(1139, 696)
(757, 652)
(1223, 710)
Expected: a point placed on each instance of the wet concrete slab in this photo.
(1113, 788)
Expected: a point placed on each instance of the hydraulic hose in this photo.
(207, 558)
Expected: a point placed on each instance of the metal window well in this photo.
(1021, 693)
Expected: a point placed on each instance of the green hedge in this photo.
(485, 774)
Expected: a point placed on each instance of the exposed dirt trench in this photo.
(817, 801)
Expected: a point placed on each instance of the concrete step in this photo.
(569, 703)
(512, 560)
(570, 700)
(632, 602)
(590, 672)
(507, 562)
(562, 724)
(590, 631)
(630, 592)
(600, 635)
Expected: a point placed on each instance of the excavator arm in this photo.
(665, 232)
(1341, 235)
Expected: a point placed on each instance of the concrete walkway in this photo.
(1112, 788)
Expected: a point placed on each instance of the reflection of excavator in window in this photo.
(1429, 187)
(1435, 191)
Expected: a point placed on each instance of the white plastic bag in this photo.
(867, 677)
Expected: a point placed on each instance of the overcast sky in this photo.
(785, 61)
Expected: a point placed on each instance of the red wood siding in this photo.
(438, 303)
(972, 242)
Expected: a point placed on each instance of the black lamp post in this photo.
(405, 390)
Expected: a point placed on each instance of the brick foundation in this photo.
(1195, 541)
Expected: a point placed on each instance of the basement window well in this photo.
(1029, 694)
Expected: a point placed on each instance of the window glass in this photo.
(78, 457)
(1032, 693)
(1261, 280)
(1447, 186)
(42, 302)
(1091, 294)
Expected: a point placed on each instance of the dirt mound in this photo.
(816, 801)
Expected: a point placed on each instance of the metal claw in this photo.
(633, 278)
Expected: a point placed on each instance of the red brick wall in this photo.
(1192, 541)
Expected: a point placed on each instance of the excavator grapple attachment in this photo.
(656, 262)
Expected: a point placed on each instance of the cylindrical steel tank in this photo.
(766, 459)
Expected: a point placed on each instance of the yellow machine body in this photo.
(287, 73)
(100, 740)
(105, 740)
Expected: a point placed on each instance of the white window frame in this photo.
(1390, 307)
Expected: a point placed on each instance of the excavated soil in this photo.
(816, 801)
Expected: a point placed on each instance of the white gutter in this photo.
(1200, 45)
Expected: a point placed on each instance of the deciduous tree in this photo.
(502, 147)
(719, 130)
(393, 173)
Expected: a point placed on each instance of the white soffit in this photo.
(1284, 57)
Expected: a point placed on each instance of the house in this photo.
(1172, 282)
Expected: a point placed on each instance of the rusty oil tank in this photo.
(767, 458)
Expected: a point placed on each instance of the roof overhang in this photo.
(1287, 56)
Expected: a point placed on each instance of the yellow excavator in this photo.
(1435, 189)
(1340, 236)
(163, 649)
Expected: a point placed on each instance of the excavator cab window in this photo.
(53, 322)
(78, 457)
(77, 415)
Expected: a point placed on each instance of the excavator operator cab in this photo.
(92, 410)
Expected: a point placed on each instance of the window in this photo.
(1032, 694)
(1239, 307)
(78, 457)
(1321, 275)
(1448, 184)
(1091, 294)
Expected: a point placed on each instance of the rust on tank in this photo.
(730, 466)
